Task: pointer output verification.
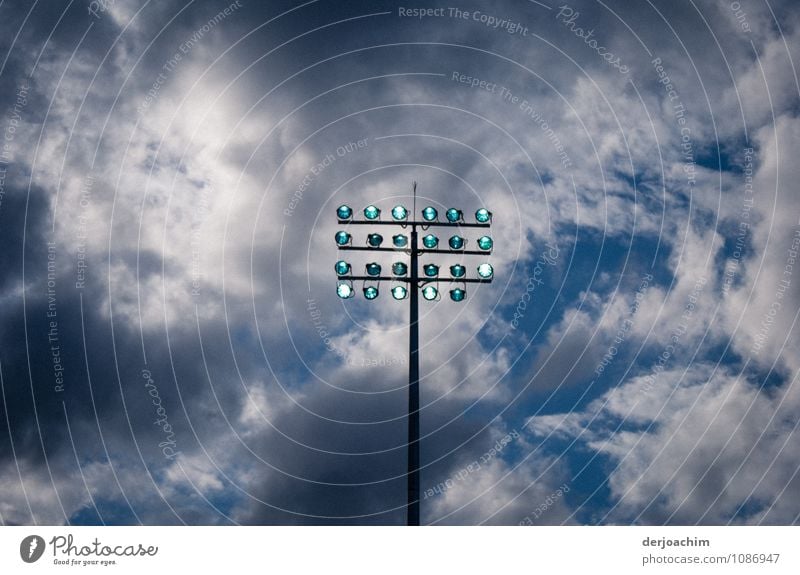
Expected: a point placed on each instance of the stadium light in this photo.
(483, 216)
(343, 238)
(399, 213)
(344, 290)
(344, 212)
(430, 241)
(456, 243)
(454, 215)
(408, 283)
(485, 271)
(399, 292)
(430, 270)
(458, 294)
(429, 292)
(342, 268)
(430, 214)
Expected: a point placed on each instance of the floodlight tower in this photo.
(408, 274)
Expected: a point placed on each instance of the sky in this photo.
(172, 347)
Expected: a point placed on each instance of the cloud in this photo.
(493, 491)
(702, 445)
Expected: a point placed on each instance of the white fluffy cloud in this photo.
(700, 445)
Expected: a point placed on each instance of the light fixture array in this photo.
(428, 281)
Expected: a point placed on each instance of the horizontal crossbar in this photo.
(421, 280)
(419, 251)
(421, 224)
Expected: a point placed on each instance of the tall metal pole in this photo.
(413, 382)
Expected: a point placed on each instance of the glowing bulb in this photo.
(344, 291)
(429, 293)
(342, 268)
(430, 241)
(458, 271)
(399, 213)
(343, 238)
(483, 215)
(485, 271)
(430, 214)
(454, 215)
(456, 243)
(399, 292)
(458, 294)
(344, 212)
